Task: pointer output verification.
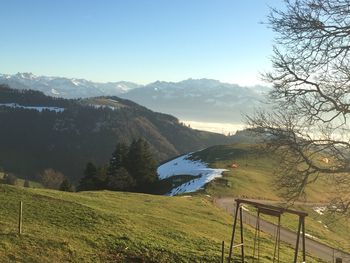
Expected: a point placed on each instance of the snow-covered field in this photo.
(184, 166)
(39, 108)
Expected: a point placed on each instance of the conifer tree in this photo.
(66, 186)
(121, 180)
(102, 176)
(118, 158)
(141, 165)
(118, 177)
(90, 180)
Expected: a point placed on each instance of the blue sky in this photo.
(137, 40)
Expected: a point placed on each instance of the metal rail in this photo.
(271, 210)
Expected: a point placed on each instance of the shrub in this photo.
(66, 186)
(10, 179)
(26, 183)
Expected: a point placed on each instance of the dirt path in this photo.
(313, 247)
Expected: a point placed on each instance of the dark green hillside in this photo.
(87, 130)
(30, 98)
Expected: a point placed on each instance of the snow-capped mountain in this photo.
(65, 87)
(204, 100)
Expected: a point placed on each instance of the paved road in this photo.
(313, 247)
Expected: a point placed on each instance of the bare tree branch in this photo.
(311, 97)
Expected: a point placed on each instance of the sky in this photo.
(137, 40)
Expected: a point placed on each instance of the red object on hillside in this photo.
(234, 165)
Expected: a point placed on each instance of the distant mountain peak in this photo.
(192, 99)
(26, 75)
(201, 80)
(65, 87)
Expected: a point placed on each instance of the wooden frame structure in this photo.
(272, 211)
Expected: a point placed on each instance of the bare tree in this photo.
(51, 179)
(310, 96)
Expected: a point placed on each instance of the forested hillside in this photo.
(39, 132)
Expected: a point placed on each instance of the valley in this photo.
(209, 179)
(217, 127)
(175, 131)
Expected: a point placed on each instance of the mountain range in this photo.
(68, 88)
(203, 100)
(39, 132)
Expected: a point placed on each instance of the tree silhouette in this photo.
(90, 181)
(141, 164)
(310, 96)
(121, 180)
(66, 186)
(118, 158)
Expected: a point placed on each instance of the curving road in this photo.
(313, 247)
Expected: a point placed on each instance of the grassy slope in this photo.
(114, 227)
(255, 179)
(32, 184)
(20, 182)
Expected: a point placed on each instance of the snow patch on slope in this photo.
(54, 92)
(98, 106)
(320, 209)
(185, 166)
(38, 108)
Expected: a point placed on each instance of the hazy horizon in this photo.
(138, 42)
(140, 84)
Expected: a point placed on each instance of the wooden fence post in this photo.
(20, 218)
(222, 251)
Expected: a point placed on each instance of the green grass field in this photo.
(255, 178)
(115, 227)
